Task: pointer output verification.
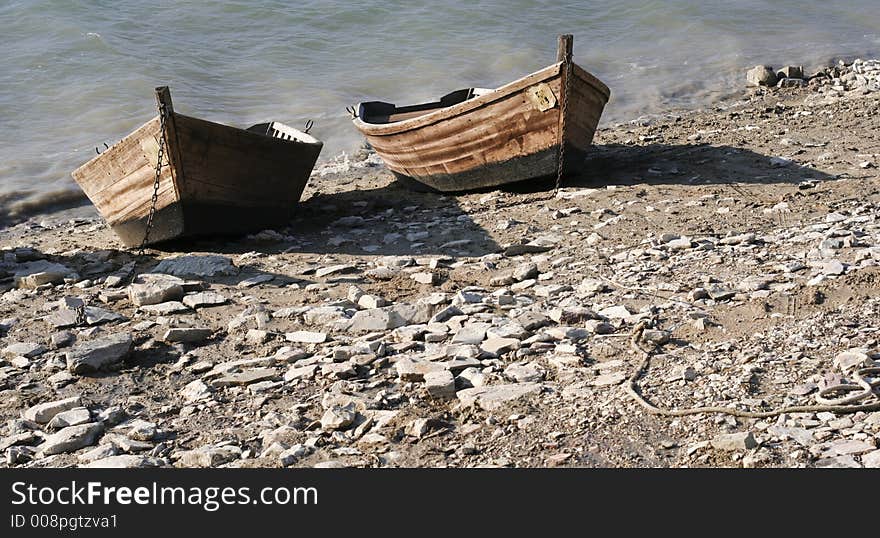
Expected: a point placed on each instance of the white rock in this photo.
(45, 412)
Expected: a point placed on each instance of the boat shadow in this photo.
(682, 164)
(368, 220)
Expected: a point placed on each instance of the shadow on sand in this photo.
(685, 164)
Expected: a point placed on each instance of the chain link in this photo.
(563, 106)
(155, 197)
(81, 314)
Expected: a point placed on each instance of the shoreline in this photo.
(389, 328)
(20, 205)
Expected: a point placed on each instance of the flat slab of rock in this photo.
(44, 412)
(415, 370)
(71, 417)
(71, 439)
(188, 335)
(209, 456)
(440, 384)
(500, 346)
(165, 309)
(211, 265)
(37, 273)
(246, 378)
(88, 357)
(733, 442)
(23, 349)
(204, 299)
(493, 397)
(154, 289)
(125, 461)
(306, 337)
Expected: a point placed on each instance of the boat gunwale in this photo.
(97, 158)
(459, 109)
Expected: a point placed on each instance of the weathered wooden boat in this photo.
(476, 138)
(177, 176)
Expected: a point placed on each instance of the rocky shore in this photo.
(388, 328)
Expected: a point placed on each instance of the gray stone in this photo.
(523, 373)
(255, 281)
(165, 309)
(187, 335)
(615, 312)
(150, 289)
(720, 292)
(440, 384)
(323, 315)
(246, 377)
(852, 359)
(45, 412)
(98, 354)
(204, 299)
(38, 273)
(300, 372)
(733, 442)
(335, 269)
(71, 439)
(493, 397)
(428, 278)
(472, 333)
(445, 314)
(500, 346)
(525, 271)
(24, 349)
(599, 327)
(791, 71)
(761, 75)
(294, 454)
(338, 417)
(211, 265)
(306, 337)
(871, 460)
(208, 456)
(195, 391)
(141, 430)
(791, 83)
(409, 369)
(532, 320)
(125, 461)
(607, 380)
(71, 417)
(833, 267)
(98, 453)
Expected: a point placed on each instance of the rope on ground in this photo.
(849, 404)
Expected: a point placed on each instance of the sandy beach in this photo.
(384, 327)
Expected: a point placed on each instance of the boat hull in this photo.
(217, 180)
(501, 137)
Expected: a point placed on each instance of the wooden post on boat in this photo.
(564, 47)
(166, 107)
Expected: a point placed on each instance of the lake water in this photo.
(77, 74)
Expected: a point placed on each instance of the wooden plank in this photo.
(564, 47)
(226, 165)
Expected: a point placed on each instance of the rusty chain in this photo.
(563, 106)
(155, 198)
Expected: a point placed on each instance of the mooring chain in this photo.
(155, 197)
(81, 314)
(867, 390)
(563, 106)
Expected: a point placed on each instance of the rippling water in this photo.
(76, 74)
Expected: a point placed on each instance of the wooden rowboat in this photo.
(474, 138)
(214, 179)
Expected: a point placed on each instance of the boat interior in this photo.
(378, 112)
(276, 129)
